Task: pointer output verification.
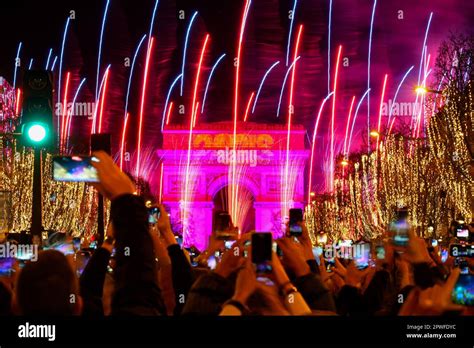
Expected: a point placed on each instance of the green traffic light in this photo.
(37, 133)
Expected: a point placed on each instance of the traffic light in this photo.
(37, 113)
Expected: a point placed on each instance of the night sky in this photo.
(397, 45)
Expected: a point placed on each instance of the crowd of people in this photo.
(140, 269)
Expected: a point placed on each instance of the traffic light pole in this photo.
(37, 209)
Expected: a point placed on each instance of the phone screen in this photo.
(380, 252)
(399, 228)
(296, 216)
(462, 232)
(6, 265)
(434, 243)
(74, 169)
(362, 255)
(153, 215)
(262, 251)
(463, 292)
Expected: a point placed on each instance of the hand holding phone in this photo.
(112, 181)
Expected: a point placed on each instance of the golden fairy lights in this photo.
(432, 177)
(67, 207)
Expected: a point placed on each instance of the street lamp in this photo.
(421, 90)
(374, 134)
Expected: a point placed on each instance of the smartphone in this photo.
(296, 216)
(330, 263)
(74, 169)
(65, 248)
(223, 227)
(262, 251)
(444, 255)
(153, 215)
(362, 255)
(399, 228)
(380, 252)
(463, 266)
(463, 292)
(461, 250)
(76, 243)
(462, 232)
(6, 266)
(93, 244)
(228, 244)
(434, 243)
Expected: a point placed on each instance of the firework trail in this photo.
(333, 119)
(61, 63)
(347, 126)
(31, 64)
(248, 106)
(145, 81)
(96, 105)
(396, 93)
(291, 109)
(169, 113)
(284, 84)
(99, 54)
(315, 131)
(355, 118)
(64, 112)
(329, 45)
(209, 80)
(168, 95)
(288, 45)
(234, 190)
(54, 63)
(198, 75)
(130, 79)
(261, 84)
(69, 118)
(102, 100)
(142, 106)
(188, 31)
(380, 110)
(368, 74)
(17, 59)
(191, 126)
(122, 142)
(49, 57)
